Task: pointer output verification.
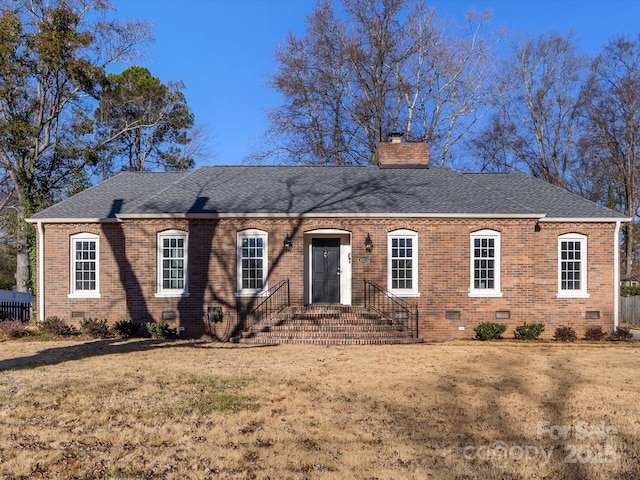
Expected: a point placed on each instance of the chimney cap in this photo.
(395, 137)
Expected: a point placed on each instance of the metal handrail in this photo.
(277, 299)
(398, 311)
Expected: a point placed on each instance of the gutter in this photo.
(585, 219)
(40, 272)
(616, 276)
(71, 220)
(215, 215)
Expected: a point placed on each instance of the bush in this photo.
(160, 330)
(594, 332)
(565, 333)
(627, 291)
(489, 330)
(529, 331)
(13, 329)
(620, 334)
(94, 327)
(54, 326)
(126, 328)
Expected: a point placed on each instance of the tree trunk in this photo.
(23, 277)
(22, 263)
(628, 249)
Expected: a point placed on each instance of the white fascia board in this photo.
(71, 220)
(585, 219)
(327, 215)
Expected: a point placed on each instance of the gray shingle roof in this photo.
(110, 197)
(553, 201)
(302, 190)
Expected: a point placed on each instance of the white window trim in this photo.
(403, 292)
(583, 292)
(252, 292)
(73, 293)
(486, 292)
(172, 292)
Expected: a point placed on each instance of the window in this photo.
(252, 262)
(172, 263)
(403, 262)
(85, 280)
(572, 265)
(485, 264)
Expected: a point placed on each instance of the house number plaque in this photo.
(363, 259)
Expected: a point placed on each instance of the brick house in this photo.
(203, 249)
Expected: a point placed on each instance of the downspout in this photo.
(40, 272)
(616, 275)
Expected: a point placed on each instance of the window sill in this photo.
(405, 294)
(481, 294)
(83, 295)
(251, 293)
(572, 295)
(172, 294)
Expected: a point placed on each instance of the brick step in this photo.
(333, 321)
(331, 311)
(353, 317)
(343, 327)
(328, 325)
(325, 334)
(334, 341)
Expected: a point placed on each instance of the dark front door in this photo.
(325, 270)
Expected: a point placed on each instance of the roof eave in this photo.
(326, 215)
(71, 220)
(586, 219)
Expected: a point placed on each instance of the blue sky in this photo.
(223, 49)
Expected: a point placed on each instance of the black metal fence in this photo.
(395, 309)
(15, 311)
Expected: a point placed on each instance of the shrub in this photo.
(529, 331)
(13, 329)
(620, 334)
(160, 330)
(489, 330)
(594, 332)
(94, 327)
(54, 326)
(565, 333)
(627, 291)
(126, 328)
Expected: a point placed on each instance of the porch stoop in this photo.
(328, 325)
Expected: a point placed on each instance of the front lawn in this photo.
(461, 410)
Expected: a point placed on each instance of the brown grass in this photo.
(460, 410)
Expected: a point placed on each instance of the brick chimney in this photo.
(397, 153)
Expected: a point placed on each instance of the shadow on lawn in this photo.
(485, 438)
(58, 355)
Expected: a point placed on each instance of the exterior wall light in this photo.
(288, 243)
(368, 244)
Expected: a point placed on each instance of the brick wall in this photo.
(128, 271)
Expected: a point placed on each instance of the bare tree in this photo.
(537, 111)
(611, 140)
(379, 67)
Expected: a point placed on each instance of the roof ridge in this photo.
(285, 166)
